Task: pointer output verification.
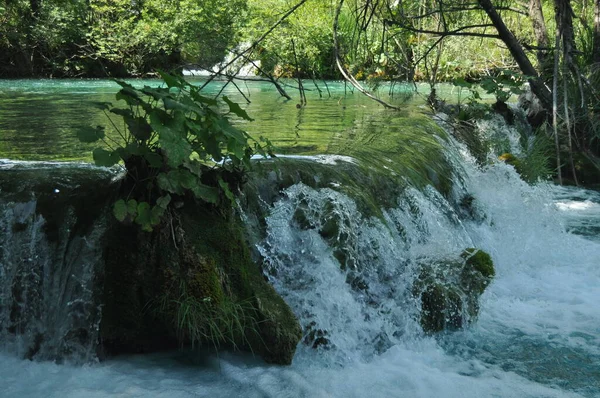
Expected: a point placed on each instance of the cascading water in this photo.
(50, 257)
(347, 266)
(348, 277)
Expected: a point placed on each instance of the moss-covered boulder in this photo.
(449, 289)
(192, 282)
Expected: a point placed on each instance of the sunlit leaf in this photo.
(225, 187)
(144, 216)
(132, 207)
(172, 139)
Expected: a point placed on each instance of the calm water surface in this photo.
(39, 118)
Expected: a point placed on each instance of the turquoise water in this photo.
(39, 118)
(538, 333)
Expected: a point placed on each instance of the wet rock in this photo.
(449, 290)
(192, 284)
(316, 337)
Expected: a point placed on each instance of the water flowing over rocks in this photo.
(74, 282)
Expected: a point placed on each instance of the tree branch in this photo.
(340, 65)
(256, 42)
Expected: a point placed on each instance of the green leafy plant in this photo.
(504, 84)
(173, 141)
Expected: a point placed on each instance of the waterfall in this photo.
(348, 269)
(51, 232)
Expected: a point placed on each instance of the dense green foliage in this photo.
(173, 139)
(113, 38)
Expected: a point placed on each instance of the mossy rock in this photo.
(192, 283)
(478, 271)
(441, 308)
(449, 290)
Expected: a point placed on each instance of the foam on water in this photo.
(538, 333)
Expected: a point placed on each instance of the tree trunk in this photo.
(542, 40)
(537, 85)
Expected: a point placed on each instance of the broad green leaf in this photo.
(236, 110)
(175, 181)
(120, 210)
(129, 95)
(200, 98)
(225, 187)
(194, 167)
(144, 216)
(156, 214)
(105, 158)
(154, 159)
(172, 81)
(132, 205)
(206, 193)
(172, 138)
(489, 85)
(460, 82)
(184, 104)
(122, 112)
(124, 84)
(235, 148)
(139, 128)
(133, 149)
(168, 184)
(157, 93)
(184, 178)
(91, 134)
(163, 201)
(230, 131)
(132, 98)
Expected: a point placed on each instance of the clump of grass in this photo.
(535, 165)
(202, 321)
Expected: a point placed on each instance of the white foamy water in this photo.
(538, 333)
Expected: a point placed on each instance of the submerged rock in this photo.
(449, 290)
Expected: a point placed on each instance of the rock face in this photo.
(75, 282)
(53, 220)
(449, 290)
(192, 282)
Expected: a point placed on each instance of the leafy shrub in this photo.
(175, 141)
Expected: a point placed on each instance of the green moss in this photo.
(193, 282)
(479, 261)
(449, 290)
